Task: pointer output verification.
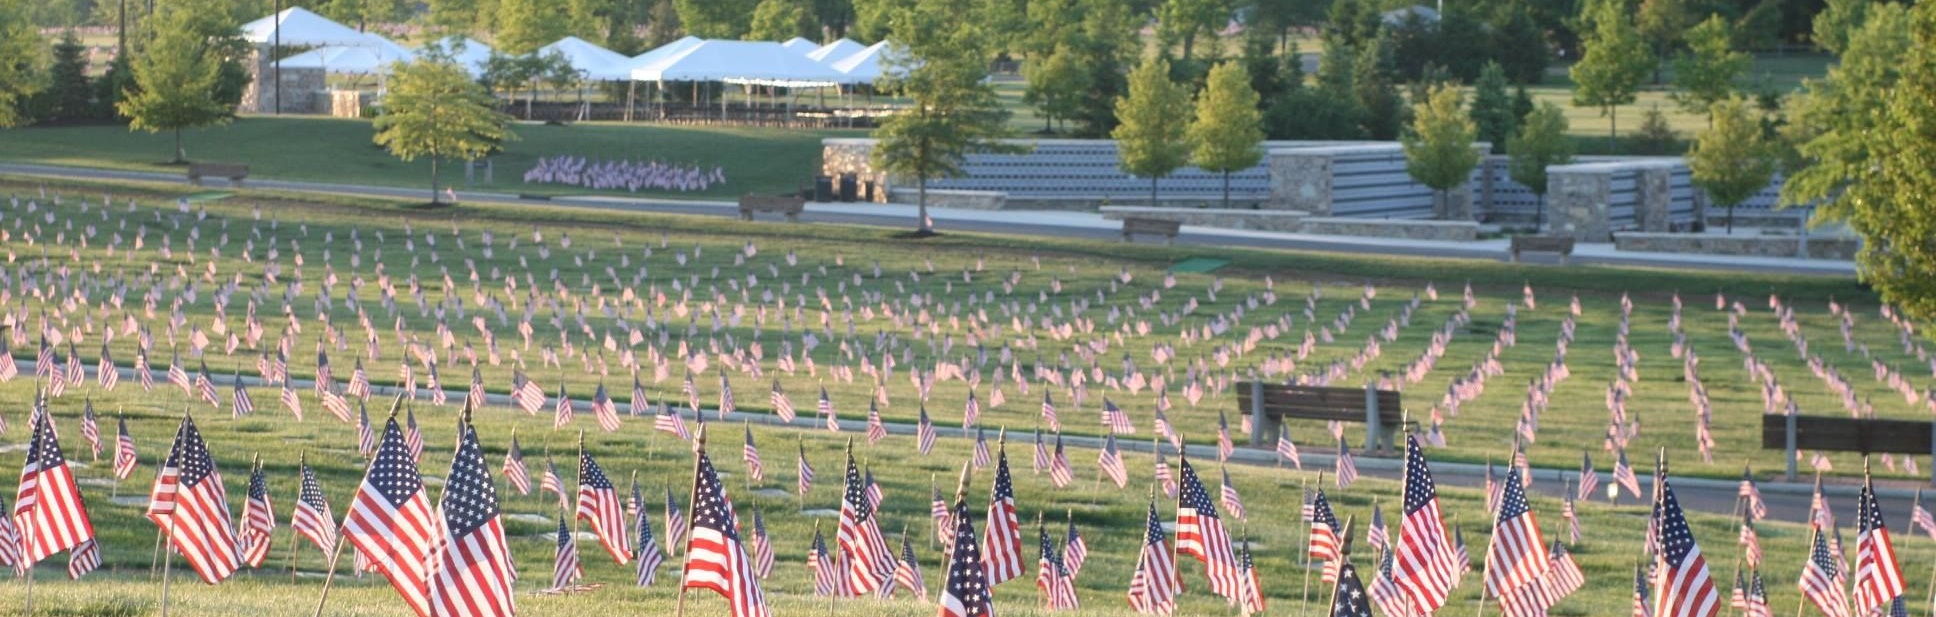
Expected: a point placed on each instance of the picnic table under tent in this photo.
(750, 63)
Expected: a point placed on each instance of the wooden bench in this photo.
(791, 206)
(1794, 433)
(1268, 405)
(1563, 245)
(1133, 225)
(234, 172)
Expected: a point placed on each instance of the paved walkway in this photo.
(1069, 224)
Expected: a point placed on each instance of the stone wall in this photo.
(1442, 231)
(299, 87)
(853, 156)
(1261, 220)
(951, 198)
(1823, 246)
(1366, 180)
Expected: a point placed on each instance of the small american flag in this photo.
(526, 394)
(716, 558)
(1750, 542)
(875, 430)
(762, 547)
(473, 570)
(1288, 450)
(1060, 473)
(514, 469)
(561, 414)
(1751, 494)
(1686, 589)
(1052, 576)
(1224, 446)
(605, 409)
(1154, 587)
(190, 505)
(106, 374)
(781, 405)
(312, 518)
(86, 557)
(205, 387)
(412, 436)
(649, 557)
(1200, 533)
(1232, 502)
(924, 436)
(826, 409)
(804, 471)
(1376, 534)
(387, 517)
(971, 411)
(91, 429)
(675, 519)
(1347, 466)
(1643, 608)
(1041, 460)
(291, 402)
(1003, 551)
(1074, 549)
(1325, 543)
(1115, 419)
(565, 568)
(967, 590)
(1164, 430)
(48, 511)
(1878, 577)
(1517, 554)
(726, 404)
(668, 421)
(365, 434)
(1822, 580)
(825, 577)
(124, 454)
(751, 455)
(258, 519)
(598, 504)
(981, 457)
(1589, 479)
(1623, 474)
(551, 483)
(1111, 461)
(907, 571)
(1920, 518)
(863, 548)
(1423, 567)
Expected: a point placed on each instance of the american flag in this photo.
(826, 408)
(1048, 412)
(1051, 576)
(907, 571)
(1232, 502)
(1565, 576)
(514, 469)
(1757, 603)
(691, 390)
(561, 413)
(605, 409)
(981, 457)
(938, 510)
(205, 387)
(1623, 474)
(365, 432)
(971, 410)
(1074, 549)
(258, 519)
(473, 570)
(359, 385)
(726, 404)
(751, 455)
(872, 490)
(1115, 419)
(1154, 586)
(1200, 533)
(1162, 472)
(781, 405)
(312, 518)
(1385, 590)
(862, 546)
(192, 508)
(1751, 494)
(1517, 554)
(1348, 598)
(1224, 446)
(1164, 430)
(762, 547)
(527, 394)
(1572, 518)
(967, 591)
(436, 386)
(565, 568)
(105, 373)
(1684, 586)
(1878, 578)
(1060, 473)
(10, 540)
(87, 557)
(1920, 517)
(599, 505)
(337, 405)
(1347, 466)
(924, 435)
(124, 454)
(91, 429)
(1589, 479)
(826, 580)
(1041, 460)
(804, 471)
(1641, 607)
(648, 554)
(1004, 527)
(1324, 542)
(474, 399)
(675, 519)
(391, 522)
(412, 436)
(1253, 594)
(1423, 566)
(1750, 542)
(1111, 461)
(48, 509)
(291, 402)
(1376, 534)
(668, 421)
(1288, 450)
(1821, 581)
(875, 430)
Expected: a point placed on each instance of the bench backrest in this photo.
(1314, 403)
(1542, 243)
(775, 203)
(1835, 434)
(218, 169)
(1144, 225)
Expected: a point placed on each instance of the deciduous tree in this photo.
(1540, 143)
(1492, 107)
(1732, 160)
(1228, 129)
(177, 78)
(433, 110)
(1438, 149)
(1151, 135)
(1616, 61)
(953, 111)
(23, 56)
(1706, 73)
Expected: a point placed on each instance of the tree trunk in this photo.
(1152, 191)
(433, 180)
(1226, 189)
(180, 157)
(1730, 219)
(921, 208)
(1613, 130)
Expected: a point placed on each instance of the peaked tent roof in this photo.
(467, 52)
(866, 66)
(301, 28)
(596, 63)
(763, 63)
(373, 58)
(836, 50)
(800, 45)
(662, 52)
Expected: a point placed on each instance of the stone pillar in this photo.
(1656, 199)
(1576, 200)
(1300, 180)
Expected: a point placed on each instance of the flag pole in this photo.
(302, 460)
(934, 525)
(575, 520)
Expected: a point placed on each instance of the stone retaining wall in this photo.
(1261, 220)
(951, 198)
(1446, 231)
(1825, 246)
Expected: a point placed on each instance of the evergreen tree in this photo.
(1374, 86)
(715, 19)
(589, 19)
(1705, 75)
(1182, 21)
(523, 26)
(1438, 149)
(1540, 143)
(1616, 60)
(22, 58)
(1228, 130)
(1151, 136)
(1321, 111)
(434, 110)
(779, 20)
(834, 17)
(1520, 45)
(944, 70)
(176, 78)
(1733, 159)
(69, 96)
(1106, 49)
(1492, 107)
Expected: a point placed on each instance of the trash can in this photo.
(823, 189)
(867, 192)
(849, 187)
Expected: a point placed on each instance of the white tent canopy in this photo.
(465, 51)
(662, 52)
(866, 66)
(800, 45)
(836, 50)
(760, 63)
(301, 28)
(594, 62)
(373, 56)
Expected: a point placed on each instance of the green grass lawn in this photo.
(755, 160)
(1050, 276)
